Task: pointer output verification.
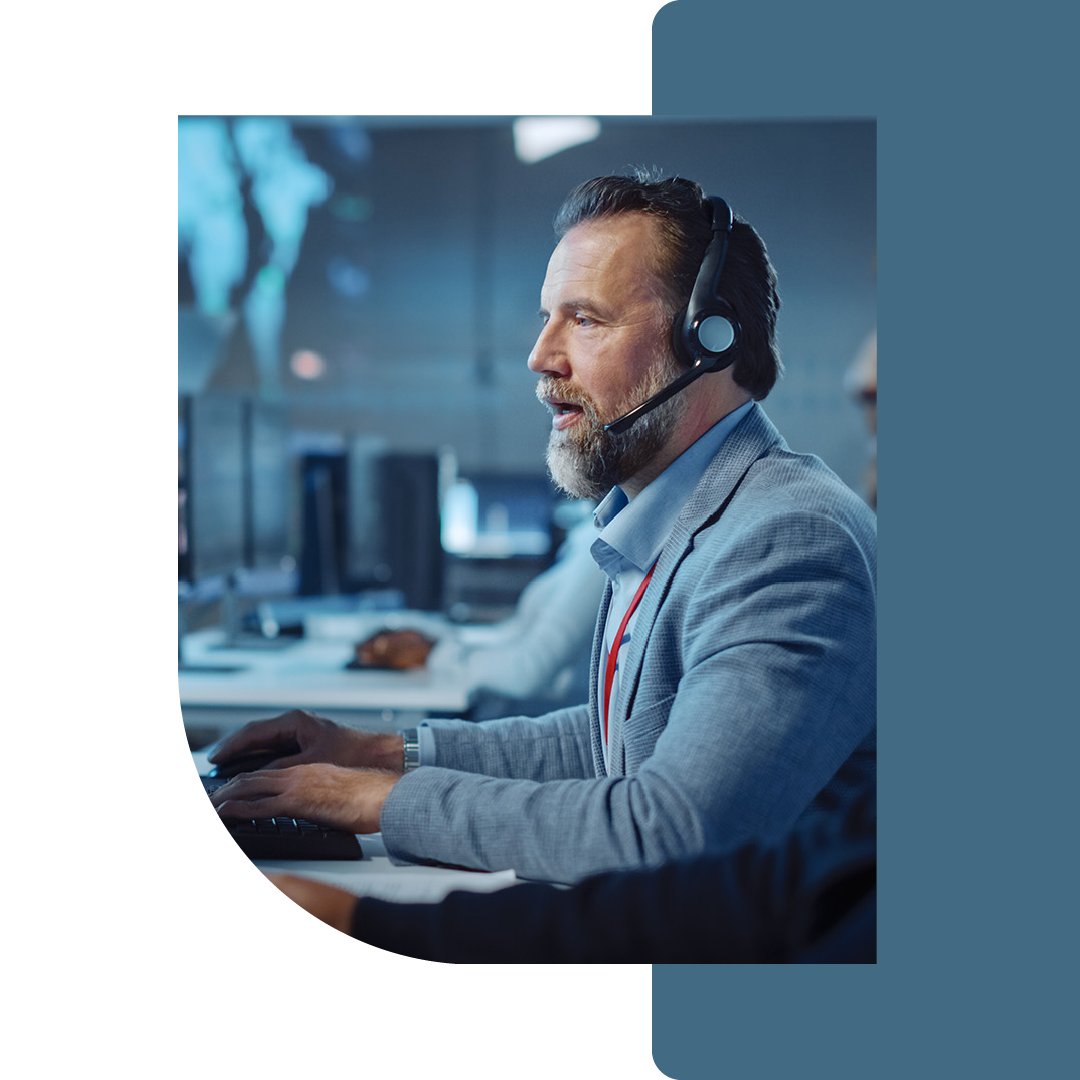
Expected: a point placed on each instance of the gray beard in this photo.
(591, 461)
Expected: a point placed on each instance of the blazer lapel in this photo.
(750, 440)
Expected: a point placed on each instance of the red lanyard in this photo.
(613, 655)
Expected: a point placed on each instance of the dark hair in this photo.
(679, 207)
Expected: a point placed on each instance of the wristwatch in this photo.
(412, 750)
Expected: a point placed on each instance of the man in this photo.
(739, 617)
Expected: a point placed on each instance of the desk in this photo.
(375, 875)
(307, 674)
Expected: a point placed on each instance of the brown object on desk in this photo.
(397, 650)
(163, 925)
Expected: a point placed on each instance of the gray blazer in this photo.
(748, 696)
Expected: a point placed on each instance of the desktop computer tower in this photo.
(324, 497)
(371, 520)
(409, 527)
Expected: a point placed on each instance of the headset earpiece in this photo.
(707, 332)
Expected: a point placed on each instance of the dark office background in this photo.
(380, 276)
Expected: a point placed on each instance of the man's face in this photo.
(604, 348)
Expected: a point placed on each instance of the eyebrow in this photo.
(578, 305)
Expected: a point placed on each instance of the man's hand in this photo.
(349, 799)
(302, 738)
(396, 649)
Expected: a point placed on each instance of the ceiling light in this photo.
(538, 137)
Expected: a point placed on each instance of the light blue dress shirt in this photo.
(633, 533)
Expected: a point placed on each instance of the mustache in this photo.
(549, 390)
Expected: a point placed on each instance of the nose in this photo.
(548, 356)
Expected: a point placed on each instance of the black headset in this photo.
(706, 334)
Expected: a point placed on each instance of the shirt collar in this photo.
(633, 531)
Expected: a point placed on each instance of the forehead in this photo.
(610, 258)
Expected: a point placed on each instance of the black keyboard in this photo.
(272, 838)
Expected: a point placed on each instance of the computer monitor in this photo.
(323, 510)
(270, 486)
(184, 570)
(235, 506)
(499, 516)
(394, 523)
(410, 523)
(212, 457)
(236, 488)
(365, 564)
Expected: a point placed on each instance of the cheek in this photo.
(611, 369)
(630, 367)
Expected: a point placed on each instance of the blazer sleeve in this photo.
(542, 748)
(809, 899)
(761, 685)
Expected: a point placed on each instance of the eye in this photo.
(583, 320)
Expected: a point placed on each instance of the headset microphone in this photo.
(706, 334)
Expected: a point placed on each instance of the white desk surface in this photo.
(375, 875)
(308, 674)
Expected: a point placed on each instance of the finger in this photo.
(258, 735)
(255, 808)
(288, 762)
(248, 786)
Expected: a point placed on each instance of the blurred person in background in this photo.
(535, 660)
